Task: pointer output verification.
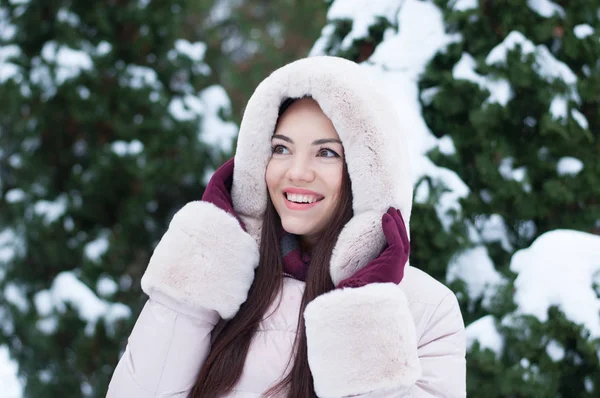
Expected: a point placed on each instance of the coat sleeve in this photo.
(197, 275)
(362, 343)
(164, 353)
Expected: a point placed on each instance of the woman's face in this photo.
(304, 175)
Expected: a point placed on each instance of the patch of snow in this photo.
(48, 325)
(84, 92)
(422, 192)
(463, 5)
(103, 48)
(11, 245)
(446, 145)
(527, 229)
(195, 51)
(45, 375)
(363, 14)
(186, 108)
(215, 131)
(15, 195)
(94, 250)
(69, 62)
(106, 286)
(580, 119)
(412, 47)
(15, 161)
(428, 94)
(491, 228)
(123, 148)
(555, 351)
(41, 76)
(559, 108)
(569, 166)
(12, 386)
(448, 204)
(7, 29)
(543, 282)
(485, 332)
(125, 282)
(486, 196)
(320, 46)
(546, 65)
(9, 70)
(68, 17)
(582, 31)
(509, 173)
(51, 211)
(138, 77)
(589, 384)
(67, 288)
(500, 91)
(16, 296)
(476, 269)
(546, 8)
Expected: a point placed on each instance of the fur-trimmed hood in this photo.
(374, 146)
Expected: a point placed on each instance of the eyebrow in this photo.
(315, 142)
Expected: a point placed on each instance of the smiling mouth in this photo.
(302, 199)
(301, 202)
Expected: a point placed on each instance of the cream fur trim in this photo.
(361, 340)
(374, 145)
(205, 259)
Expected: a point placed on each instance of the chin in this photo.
(297, 227)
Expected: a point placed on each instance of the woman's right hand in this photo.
(205, 260)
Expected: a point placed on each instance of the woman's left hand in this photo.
(389, 266)
(218, 190)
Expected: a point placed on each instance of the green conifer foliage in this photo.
(515, 95)
(518, 96)
(107, 128)
(248, 39)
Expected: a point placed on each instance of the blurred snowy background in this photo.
(114, 115)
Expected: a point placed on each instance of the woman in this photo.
(290, 278)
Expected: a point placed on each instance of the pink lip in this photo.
(302, 191)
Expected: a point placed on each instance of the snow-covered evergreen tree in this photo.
(247, 39)
(501, 103)
(107, 127)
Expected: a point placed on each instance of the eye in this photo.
(279, 150)
(327, 153)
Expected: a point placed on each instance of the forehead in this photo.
(304, 120)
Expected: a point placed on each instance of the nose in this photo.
(301, 170)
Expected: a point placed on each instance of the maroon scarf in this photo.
(295, 262)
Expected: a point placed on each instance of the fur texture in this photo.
(370, 325)
(205, 259)
(374, 144)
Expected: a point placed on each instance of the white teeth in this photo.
(292, 197)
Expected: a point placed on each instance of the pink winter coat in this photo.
(379, 340)
(167, 346)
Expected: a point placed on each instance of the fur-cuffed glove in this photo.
(389, 265)
(361, 340)
(205, 259)
(361, 337)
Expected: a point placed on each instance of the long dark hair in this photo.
(225, 362)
